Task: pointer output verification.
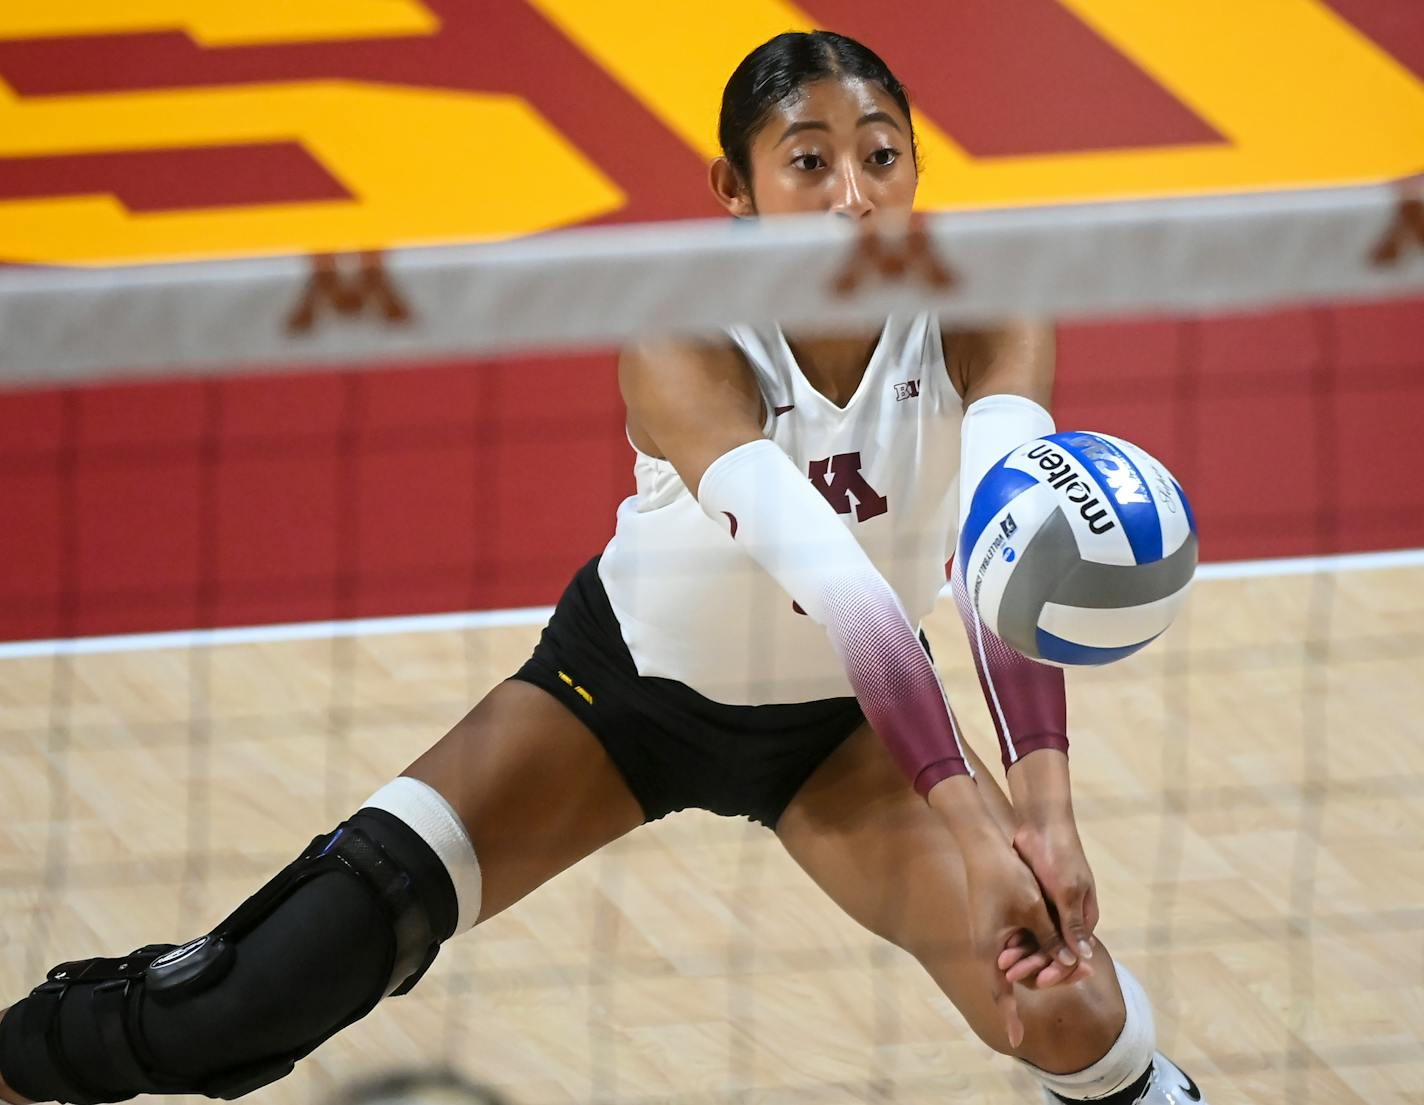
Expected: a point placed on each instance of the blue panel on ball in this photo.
(1136, 509)
(1066, 652)
(1187, 506)
(999, 486)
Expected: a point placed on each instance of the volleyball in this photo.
(1078, 548)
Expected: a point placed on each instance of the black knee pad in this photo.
(360, 915)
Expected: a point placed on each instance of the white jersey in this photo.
(696, 608)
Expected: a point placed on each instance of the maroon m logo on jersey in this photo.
(845, 483)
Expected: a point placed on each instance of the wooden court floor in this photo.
(1251, 791)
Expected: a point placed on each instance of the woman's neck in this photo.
(834, 366)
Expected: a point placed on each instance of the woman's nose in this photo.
(851, 201)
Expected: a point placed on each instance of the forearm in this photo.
(1028, 701)
(1039, 787)
(1047, 840)
(961, 805)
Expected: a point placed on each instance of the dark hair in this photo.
(778, 68)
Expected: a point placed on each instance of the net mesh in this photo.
(1245, 787)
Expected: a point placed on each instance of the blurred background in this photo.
(190, 129)
(1247, 862)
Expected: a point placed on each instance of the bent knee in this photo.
(1067, 1028)
(359, 915)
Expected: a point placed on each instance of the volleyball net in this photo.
(274, 524)
(598, 286)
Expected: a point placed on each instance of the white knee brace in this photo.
(425, 810)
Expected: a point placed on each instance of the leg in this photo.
(536, 792)
(533, 786)
(883, 855)
(6, 1093)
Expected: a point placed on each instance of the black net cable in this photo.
(602, 976)
(193, 903)
(58, 851)
(1315, 736)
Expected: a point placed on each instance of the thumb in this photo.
(1072, 922)
(1090, 910)
(1046, 933)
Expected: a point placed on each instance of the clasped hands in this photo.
(1032, 902)
(1054, 853)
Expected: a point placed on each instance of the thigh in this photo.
(533, 786)
(862, 833)
(883, 855)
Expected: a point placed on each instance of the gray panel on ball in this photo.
(1114, 586)
(1052, 554)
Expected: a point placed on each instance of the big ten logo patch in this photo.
(841, 482)
(910, 389)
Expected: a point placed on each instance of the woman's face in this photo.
(841, 146)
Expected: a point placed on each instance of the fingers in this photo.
(1055, 974)
(1009, 956)
(1029, 967)
(1036, 955)
(1018, 946)
(1040, 971)
(1090, 910)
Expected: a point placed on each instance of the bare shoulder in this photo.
(712, 376)
(1016, 357)
(652, 359)
(689, 401)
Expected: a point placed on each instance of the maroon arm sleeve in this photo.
(1026, 699)
(894, 681)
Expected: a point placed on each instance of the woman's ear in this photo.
(726, 184)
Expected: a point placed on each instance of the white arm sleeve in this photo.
(784, 524)
(993, 427)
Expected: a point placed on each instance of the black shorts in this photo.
(676, 749)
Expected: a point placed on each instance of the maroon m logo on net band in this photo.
(912, 258)
(1406, 230)
(347, 293)
(839, 479)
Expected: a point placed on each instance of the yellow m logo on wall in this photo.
(421, 164)
(1300, 96)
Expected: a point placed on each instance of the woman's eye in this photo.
(808, 161)
(885, 156)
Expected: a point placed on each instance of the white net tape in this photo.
(601, 285)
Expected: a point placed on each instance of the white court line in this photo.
(294, 631)
(538, 615)
(1305, 565)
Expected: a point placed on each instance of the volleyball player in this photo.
(746, 644)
